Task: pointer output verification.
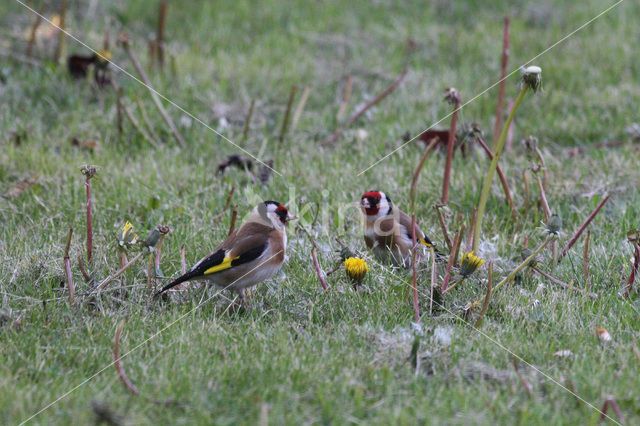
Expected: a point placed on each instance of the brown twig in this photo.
(234, 215)
(183, 260)
(416, 174)
(162, 18)
(452, 258)
(124, 41)
(301, 103)
(487, 296)
(525, 382)
(585, 256)
(634, 270)
(285, 122)
(34, 28)
(474, 213)
(67, 266)
(118, 363)
(89, 172)
(316, 264)
(345, 100)
(414, 268)
(609, 401)
(563, 284)
(61, 47)
(247, 122)
(364, 109)
(83, 270)
(543, 166)
(543, 198)
(503, 80)
(119, 272)
(580, 230)
(122, 256)
(453, 97)
(443, 226)
(503, 179)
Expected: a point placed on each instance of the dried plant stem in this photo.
(364, 109)
(416, 174)
(543, 167)
(61, 47)
(234, 215)
(227, 203)
(345, 100)
(452, 259)
(634, 270)
(247, 122)
(119, 272)
(484, 195)
(162, 18)
(503, 179)
(456, 248)
(609, 401)
(584, 225)
(183, 260)
(154, 97)
(285, 122)
(434, 278)
(474, 215)
(523, 265)
(543, 198)
(450, 145)
(523, 380)
(301, 104)
(487, 296)
(89, 221)
(83, 270)
(563, 284)
(118, 363)
(414, 267)
(443, 226)
(503, 80)
(67, 266)
(34, 28)
(122, 108)
(122, 256)
(159, 253)
(527, 190)
(585, 256)
(316, 264)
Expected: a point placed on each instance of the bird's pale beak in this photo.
(365, 203)
(291, 217)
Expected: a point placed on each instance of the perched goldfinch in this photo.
(387, 229)
(251, 254)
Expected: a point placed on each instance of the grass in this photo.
(301, 355)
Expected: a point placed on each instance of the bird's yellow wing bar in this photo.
(225, 264)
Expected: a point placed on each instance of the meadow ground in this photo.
(302, 355)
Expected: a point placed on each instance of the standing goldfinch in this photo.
(251, 254)
(387, 229)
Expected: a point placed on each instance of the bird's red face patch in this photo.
(370, 202)
(282, 213)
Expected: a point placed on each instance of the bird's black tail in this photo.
(186, 277)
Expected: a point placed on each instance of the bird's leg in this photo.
(243, 298)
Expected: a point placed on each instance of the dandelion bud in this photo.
(532, 77)
(470, 263)
(356, 269)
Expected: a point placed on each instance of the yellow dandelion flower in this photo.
(470, 263)
(356, 268)
(127, 236)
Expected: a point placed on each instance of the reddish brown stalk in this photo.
(525, 382)
(83, 270)
(124, 41)
(345, 100)
(118, 363)
(234, 215)
(580, 230)
(452, 97)
(227, 203)
(503, 81)
(119, 272)
(364, 109)
(89, 172)
(434, 276)
(634, 270)
(34, 28)
(414, 267)
(471, 228)
(543, 199)
(456, 248)
(159, 253)
(452, 259)
(416, 174)
(67, 266)
(487, 296)
(443, 226)
(609, 401)
(503, 179)
(585, 256)
(160, 33)
(122, 256)
(316, 264)
(183, 260)
(285, 122)
(563, 284)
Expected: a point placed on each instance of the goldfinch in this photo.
(387, 229)
(251, 254)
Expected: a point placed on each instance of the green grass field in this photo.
(301, 355)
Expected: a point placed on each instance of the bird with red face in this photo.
(251, 254)
(387, 229)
